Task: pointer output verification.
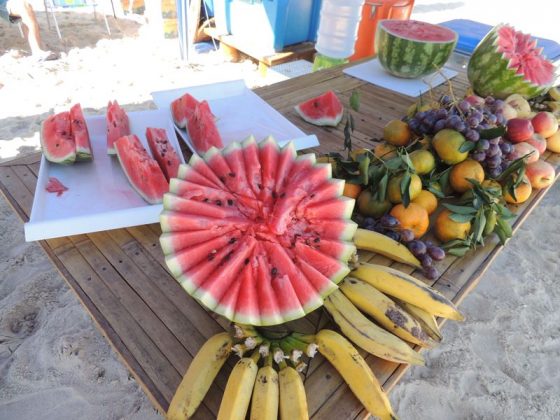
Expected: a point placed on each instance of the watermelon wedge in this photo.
(202, 128)
(163, 151)
(117, 125)
(256, 233)
(80, 133)
(57, 142)
(182, 109)
(325, 109)
(143, 172)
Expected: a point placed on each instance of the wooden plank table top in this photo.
(121, 278)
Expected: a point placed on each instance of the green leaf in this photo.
(383, 187)
(459, 251)
(355, 100)
(504, 212)
(505, 226)
(501, 234)
(405, 188)
(408, 162)
(364, 168)
(467, 146)
(393, 163)
(461, 218)
(351, 118)
(492, 133)
(460, 209)
(478, 228)
(436, 192)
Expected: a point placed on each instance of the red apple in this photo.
(553, 142)
(523, 149)
(541, 174)
(538, 141)
(519, 129)
(545, 123)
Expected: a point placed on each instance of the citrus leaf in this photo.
(467, 146)
(436, 192)
(478, 228)
(393, 164)
(492, 133)
(355, 100)
(460, 209)
(383, 187)
(459, 251)
(504, 212)
(505, 226)
(461, 218)
(405, 189)
(501, 234)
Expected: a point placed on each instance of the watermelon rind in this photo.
(323, 110)
(58, 147)
(410, 58)
(489, 71)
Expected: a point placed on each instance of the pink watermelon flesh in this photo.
(80, 133)
(419, 31)
(182, 109)
(202, 129)
(117, 125)
(143, 172)
(163, 151)
(322, 110)
(246, 268)
(57, 142)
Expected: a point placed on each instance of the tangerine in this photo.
(462, 172)
(423, 161)
(522, 192)
(370, 206)
(352, 190)
(385, 151)
(428, 200)
(447, 229)
(397, 133)
(447, 144)
(414, 217)
(394, 188)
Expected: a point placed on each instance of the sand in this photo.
(54, 364)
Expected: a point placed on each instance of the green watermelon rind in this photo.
(410, 59)
(67, 159)
(489, 73)
(325, 120)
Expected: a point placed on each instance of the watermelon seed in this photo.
(312, 196)
(169, 162)
(206, 200)
(114, 124)
(246, 261)
(232, 240)
(230, 202)
(219, 203)
(283, 195)
(260, 186)
(274, 272)
(317, 240)
(57, 145)
(223, 179)
(231, 174)
(274, 195)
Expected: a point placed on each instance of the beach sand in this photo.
(54, 364)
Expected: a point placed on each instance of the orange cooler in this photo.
(372, 12)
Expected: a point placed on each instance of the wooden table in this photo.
(155, 327)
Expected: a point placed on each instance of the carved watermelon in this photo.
(411, 48)
(117, 125)
(143, 172)
(57, 142)
(256, 233)
(506, 62)
(325, 109)
(80, 133)
(163, 151)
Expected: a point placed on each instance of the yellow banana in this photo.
(293, 402)
(554, 93)
(356, 373)
(200, 375)
(426, 320)
(366, 334)
(376, 242)
(264, 404)
(237, 395)
(386, 312)
(408, 289)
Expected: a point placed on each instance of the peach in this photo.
(553, 142)
(545, 123)
(524, 148)
(541, 174)
(509, 112)
(538, 141)
(475, 100)
(519, 129)
(520, 104)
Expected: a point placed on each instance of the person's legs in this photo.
(24, 10)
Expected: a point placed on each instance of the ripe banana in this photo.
(383, 245)
(355, 372)
(408, 289)
(366, 334)
(293, 402)
(386, 312)
(237, 395)
(264, 404)
(426, 320)
(200, 375)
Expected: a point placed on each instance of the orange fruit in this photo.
(428, 200)
(394, 188)
(352, 190)
(369, 206)
(461, 172)
(397, 132)
(447, 229)
(423, 161)
(414, 217)
(522, 193)
(447, 144)
(385, 151)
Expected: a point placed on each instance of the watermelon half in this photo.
(143, 172)
(411, 48)
(80, 133)
(57, 142)
(325, 109)
(256, 233)
(506, 62)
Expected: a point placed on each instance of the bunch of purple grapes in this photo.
(425, 251)
(494, 155)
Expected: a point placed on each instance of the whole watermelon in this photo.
(412, 49)
(506, 62)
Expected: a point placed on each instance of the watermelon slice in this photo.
(257, 234)
(202, 129)
(57, 142)
(117, 125)
(80, 133)
(143, 172)
(182, 109)
(163, 151)
(325, 109)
